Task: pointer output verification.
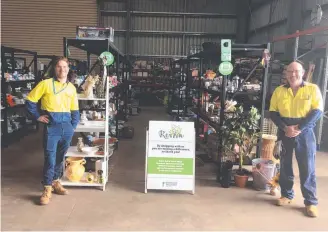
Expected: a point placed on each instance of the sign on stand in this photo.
(170, 156)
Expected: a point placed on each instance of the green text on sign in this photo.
(173, 166)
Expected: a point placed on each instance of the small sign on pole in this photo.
(107, 58)
(225, 68)
(225, 50)
(170, 156)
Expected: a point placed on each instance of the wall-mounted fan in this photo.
(316, 15)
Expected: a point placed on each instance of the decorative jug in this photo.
(74, 168)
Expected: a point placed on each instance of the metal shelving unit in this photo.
(97, 127)
(22, 129)
(177, 95)
(96, 47)
(205, 57)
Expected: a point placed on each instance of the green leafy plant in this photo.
(241, 129)
(157, 70)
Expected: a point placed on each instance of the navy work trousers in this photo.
(305, 150)
(57, 139)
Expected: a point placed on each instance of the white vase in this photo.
(80, 144)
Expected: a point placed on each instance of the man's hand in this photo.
(292, 131)
(44, 119)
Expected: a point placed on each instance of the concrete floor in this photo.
(124, 206)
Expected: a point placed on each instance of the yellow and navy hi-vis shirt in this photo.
(58, 101)
(294, 110)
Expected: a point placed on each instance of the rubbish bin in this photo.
(263, 171)
(226, 174)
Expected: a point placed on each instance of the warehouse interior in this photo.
(157, 37)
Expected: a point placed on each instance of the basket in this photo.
(269, 138)
(269, 128)
(268, 144)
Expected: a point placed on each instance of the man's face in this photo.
(62, 69)
(295, 74)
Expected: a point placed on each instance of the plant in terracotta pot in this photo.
(240, 133)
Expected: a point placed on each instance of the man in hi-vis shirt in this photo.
(295, 108)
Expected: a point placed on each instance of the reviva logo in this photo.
(175, 132)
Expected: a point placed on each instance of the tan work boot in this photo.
(284, 201)
(46, 195)
(312, 210)
(58, 188)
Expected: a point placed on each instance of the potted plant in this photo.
(240, 133)
(156, 70)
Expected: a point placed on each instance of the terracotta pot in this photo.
(74, 168)
(241, 181)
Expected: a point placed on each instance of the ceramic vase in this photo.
(74, 168)
(80, 144)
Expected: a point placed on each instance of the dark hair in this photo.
(61, 59)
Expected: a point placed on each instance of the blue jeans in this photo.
(305, 150)
(57, 139)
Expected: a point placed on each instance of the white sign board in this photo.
(170, 156)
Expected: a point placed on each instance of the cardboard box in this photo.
(95, 33)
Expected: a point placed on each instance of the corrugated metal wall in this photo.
(156, 45)
(117, 21)
(40, 26)
(274, 14)
(156, 6)
(156, 33)
(204, 6)
(259, 32)
(260, 17)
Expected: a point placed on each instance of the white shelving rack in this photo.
(97, 127)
